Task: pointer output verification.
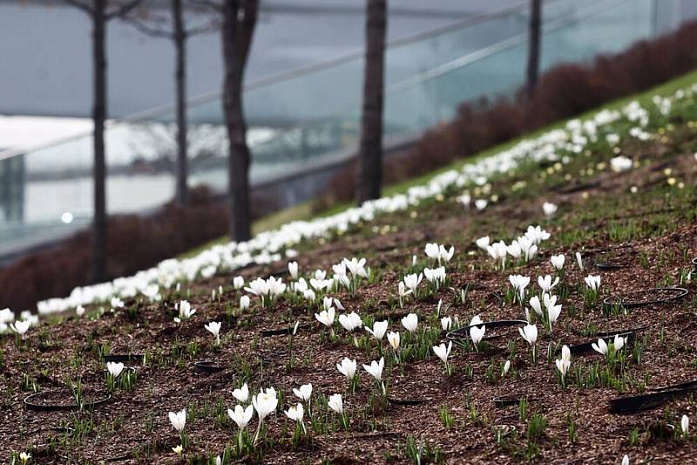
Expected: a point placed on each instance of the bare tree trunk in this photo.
(370, 156)
(180, 77)
(239, 21)
(534, 45)
(99, 112)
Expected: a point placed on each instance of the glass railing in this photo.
(307, 117)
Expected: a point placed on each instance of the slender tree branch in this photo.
(123, 9)
(82, 6)
(149, 30)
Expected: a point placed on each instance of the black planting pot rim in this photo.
(123, 358)
(208, 366)
(694, 262)
(463, 333)
(30, 405)
(679, 292)
(280, 332)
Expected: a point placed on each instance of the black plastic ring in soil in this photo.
(124, 358)
(682, 386)
(633, 404)
(406, 401)
(507, 401)
(208, 367)
(280, 332)
(694, 262)
(608, 266)
(30, 403)
(646, 297)
(463, 333)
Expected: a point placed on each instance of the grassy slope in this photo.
(305, 212)
(653, 231)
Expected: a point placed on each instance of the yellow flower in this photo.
(178, 450)
(671, 181)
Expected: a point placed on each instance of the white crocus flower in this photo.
(238, 282)
(546, 283)
(558, 261)
(593, 282)
(296, 413)
(625, 460)
(402, 291)
(549, 209)
(685, 425)
(483, 242)
(600, 347)
(326, 317)
(79, 311)
(498, 251)
(351, 321)
(241, 394)
(412, 281)
(519, 283)
(241, 416)
(579, 260)
(185, 310)
(564, 363)
(432, 251)
(244, 302)
(304, 393)
(529, 333)
(320, 275)
(480, 204)
(618, 342)
(309, 295)
(553, 312)
(356, 267)
(178, 420)
(535, 304)
(293, 269)
(411, 322)
(443, 352)
(214, 328)
(375, 368)
(20, 326)
(379, 328)
(506, 368)
(446, 322)
(477, 334)
(393, 339)
(264, 403)
(445, 254)
(620, 164)
(336, 403)
(347, 367)
(114, 368)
